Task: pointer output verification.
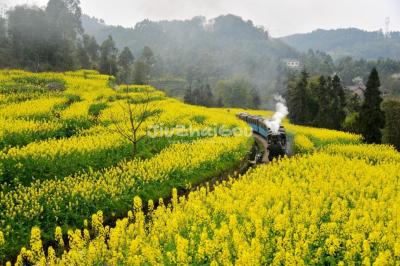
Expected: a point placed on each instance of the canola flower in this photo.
(78, 110)
(86, 73)
(70, 200)
(37, 109)
(49, 137)
(373, 153)
(60, 157)
(335, 205)
(302, 144)
(321, 137)
(86, 85)
(14, 132)
(315, 209)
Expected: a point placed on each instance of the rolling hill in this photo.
(218, 48)
(348, 42)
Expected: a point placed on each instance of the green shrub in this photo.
(96, 108)
(350, 124)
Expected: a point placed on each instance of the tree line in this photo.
(235, 92)
(52, 39)
(323, 102)
(318, 103)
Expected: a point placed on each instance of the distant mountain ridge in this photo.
(222, 47)
(348, 42)
(229, 47)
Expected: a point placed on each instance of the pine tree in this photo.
(338, 103)
(297, 100)
(92, 49)
(125, 62)
(140, 74)
(108, 57)
(391, 132)
(372, 118)
(324, 116)
(83, 57)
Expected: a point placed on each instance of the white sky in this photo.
(280, 17)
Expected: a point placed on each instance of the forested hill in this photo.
(348, 42)
(222, 47)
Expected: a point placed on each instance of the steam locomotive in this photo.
(276, 140)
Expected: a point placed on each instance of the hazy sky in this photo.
(280, 17)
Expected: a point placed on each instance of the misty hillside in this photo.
(348, 42)
(219, 48)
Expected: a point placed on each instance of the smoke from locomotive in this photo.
(280, 113)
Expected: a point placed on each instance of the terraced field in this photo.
(62, 159)
(73, 195)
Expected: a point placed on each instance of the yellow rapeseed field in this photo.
(314, 209)
(62, 160)
(336, 202)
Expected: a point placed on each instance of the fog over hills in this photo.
(217, 48)
(348, 42)
(229, 46)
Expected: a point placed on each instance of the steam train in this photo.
(276, 140)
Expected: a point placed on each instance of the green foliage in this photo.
(39, 81)
(72, 98)
(317, 62)
(331, 103)
(372, 119)
(141, 72)
(96, 108)
(338, 104)
(125, 62)
(108, 57)
(391, 132)
(393, 84)
(237, 92)
(351, 123)
(24, 167)
(44, 39)
(323, 117)
(320, 103)
(199, 119)
(200, 95)
(4, 43)
(298, 100)
(353, 103)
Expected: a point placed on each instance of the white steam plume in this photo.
(280, 113)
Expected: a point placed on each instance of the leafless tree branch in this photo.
(133, 118)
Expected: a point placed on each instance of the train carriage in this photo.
(276, 140)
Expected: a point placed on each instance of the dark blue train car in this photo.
(276, 140)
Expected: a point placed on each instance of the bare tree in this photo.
(134, 117)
